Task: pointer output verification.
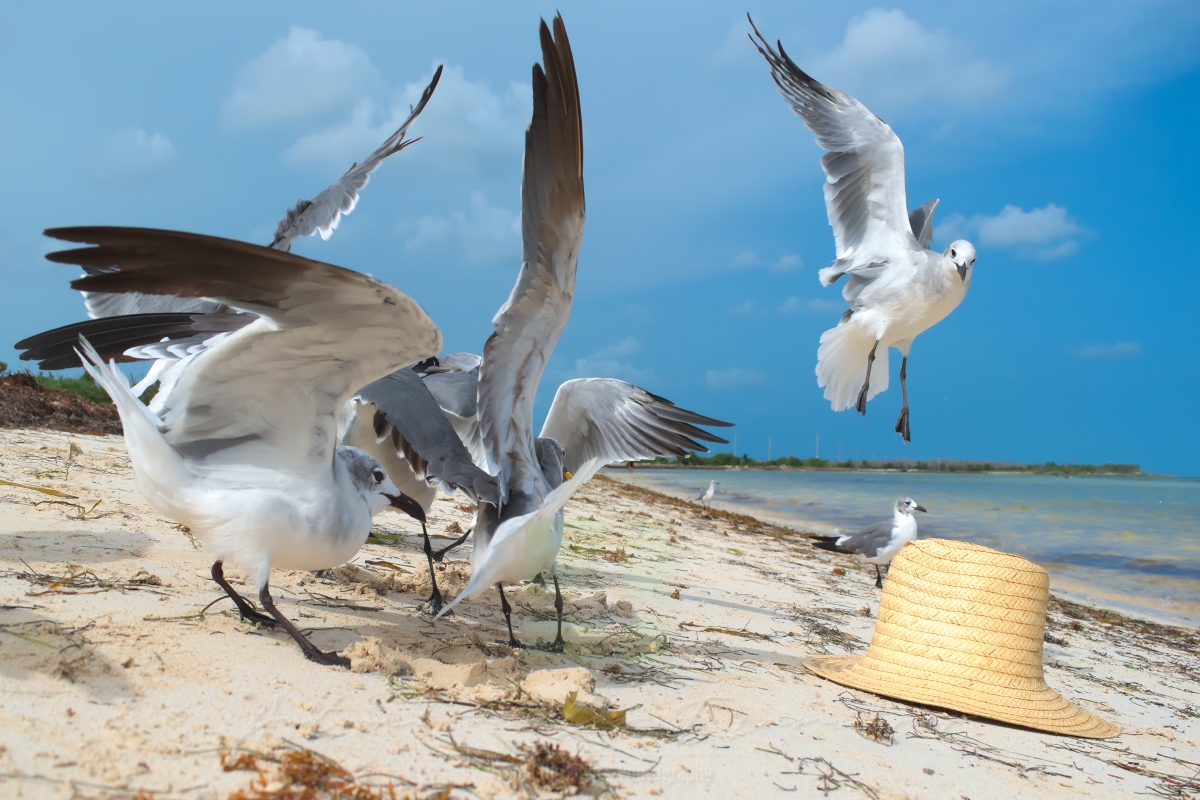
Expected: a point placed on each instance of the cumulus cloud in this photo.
(487, 233)
(467, 127)
(1044, 233)
(1118, 350)
(890, 61)
(732, 378)
(299, 77)
(131, 157)
(612, 362)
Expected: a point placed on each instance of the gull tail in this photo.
(523, 546)
(829, 543)
(148, 450)
(842, 364)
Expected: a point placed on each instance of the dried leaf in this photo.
(43, 490)
(582, 715)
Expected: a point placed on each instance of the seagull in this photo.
(243, 450)
(135, 326)
(896, 286)
(880, 541)
(706, 496)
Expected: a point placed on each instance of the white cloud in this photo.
(891, 62)
(1044, 233)
(131, 157)
(299, 76)
(790, 305)
(1118, 350)
(606, 363)
(787, 263)
(467, 126)
(487, 233)
(745, 259)
(748, 258)
(732, 378)
(742, 308)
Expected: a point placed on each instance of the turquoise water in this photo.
(1132, 541)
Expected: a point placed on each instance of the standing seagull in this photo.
(706, 496)
(243, 448)
(897, 287)
(881, 541)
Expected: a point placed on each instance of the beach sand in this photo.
(119, 673)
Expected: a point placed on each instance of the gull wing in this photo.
(528, 325)
(611, 420)
(864, 168)
(279, 382)
(323, 213)
(457, 394)
(869, 540)
(921, 222)
(410, 416)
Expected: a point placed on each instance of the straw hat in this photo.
(960, 627)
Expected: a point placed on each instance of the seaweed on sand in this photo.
(303, 774)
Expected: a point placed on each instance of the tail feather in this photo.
(842, 365)
(829, 543)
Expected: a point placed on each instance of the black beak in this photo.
(408, 506)
(962, 272)
(921, 508)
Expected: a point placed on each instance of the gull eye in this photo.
(378, 475)
(953, 254)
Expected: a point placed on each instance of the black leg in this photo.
(310, 650)
(861, 405)
(559, 642)
(439, 554)
(435, 599)
(245, 610)
(878, 578)
(539, 580)
(902, 421)
(507, 609)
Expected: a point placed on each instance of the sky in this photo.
(1060, 138)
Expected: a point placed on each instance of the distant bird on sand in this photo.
(706, 496)
(896, 286)
(242, 449)
(881, 541)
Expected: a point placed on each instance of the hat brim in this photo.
(1038, 707)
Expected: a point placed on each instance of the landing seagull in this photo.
(243, 450)
(897, 287)
(706, 496)
(880, 541)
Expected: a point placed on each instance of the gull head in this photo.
(906, 505)
(962, 255)
(368, 477)
(550, 455)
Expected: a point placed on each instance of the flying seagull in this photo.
(880, 541)
(242, 450)
(135, 326)
(706, 496)
(896, 287)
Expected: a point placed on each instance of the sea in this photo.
(1128, 543)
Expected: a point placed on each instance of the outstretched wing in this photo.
(864, 168)
(921, 222)
(322, 213)
(611, 420)
(322, 332)
(552, 214)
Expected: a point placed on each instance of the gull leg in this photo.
(435, 600)
(861, 405)
(559, 642)
(439, 554)
(902, 420)
(539, 580)
(245, 610)
(507, 609)
(310, 650)
(878, 578)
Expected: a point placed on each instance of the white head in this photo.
(906, 505)
(373, 484)
(962, 254)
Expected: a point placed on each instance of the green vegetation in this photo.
(83, 385)
(791, 462)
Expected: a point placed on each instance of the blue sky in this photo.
(1061, 139)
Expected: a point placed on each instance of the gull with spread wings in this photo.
(242, 447)
(896, 286)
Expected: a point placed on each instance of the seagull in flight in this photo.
(881, 541)
(896, 287)
(242, 449)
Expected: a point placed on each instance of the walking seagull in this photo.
(243, 450)
(880, 541)
(706, 496)
(896, 286)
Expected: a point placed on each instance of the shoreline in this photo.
(785, 468)
(691, 622)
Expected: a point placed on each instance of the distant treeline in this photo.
(1049, 468)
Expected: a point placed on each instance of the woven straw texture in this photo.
(961, 627)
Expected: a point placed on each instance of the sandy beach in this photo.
(124, 671)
